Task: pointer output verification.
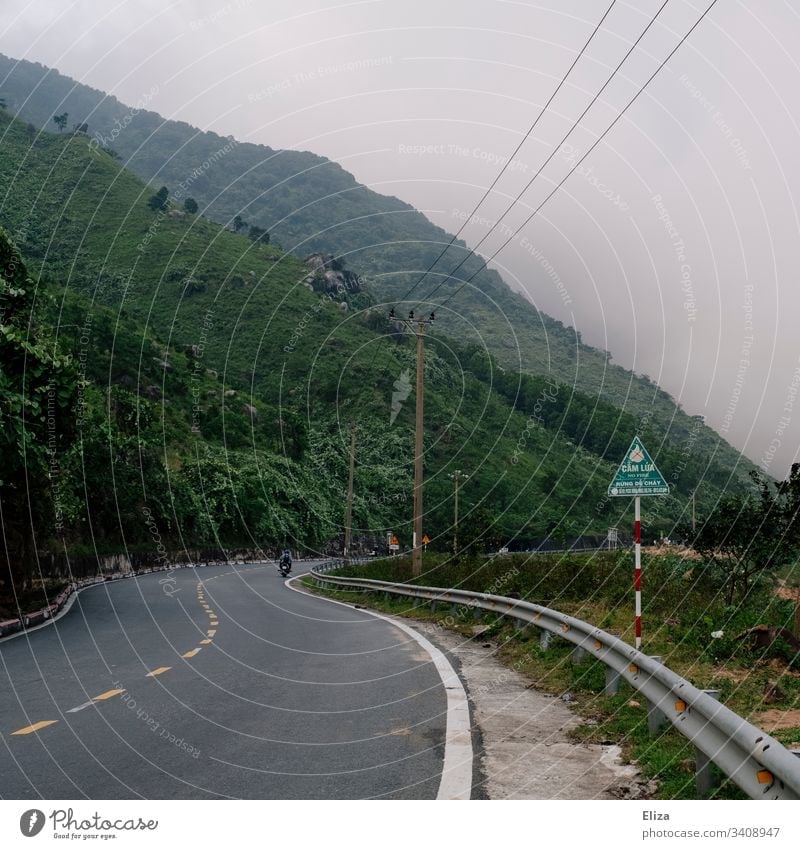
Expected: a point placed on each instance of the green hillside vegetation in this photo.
(213, 379)
(309, 203)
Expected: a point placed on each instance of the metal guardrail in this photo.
(751, 758)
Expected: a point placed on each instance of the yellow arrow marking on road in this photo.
(191, 653)
(160, 671)
(29, 729)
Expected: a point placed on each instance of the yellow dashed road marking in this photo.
(214, 622)
(109, 694)
(29, 729)
(204, 642)
(191, 653)
(160, 671)
(211, 633)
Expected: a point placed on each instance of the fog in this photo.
(673, 245)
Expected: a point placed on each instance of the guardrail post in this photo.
(612, 682)
(611, 687)
(578, 654)
(656, 719)
(704, 777)
(544, 639)
(520, 625)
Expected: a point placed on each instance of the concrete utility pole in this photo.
(417, 326)
(456, 476)
(348, 515)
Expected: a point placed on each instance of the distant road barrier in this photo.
(38, 617)
(752, 759)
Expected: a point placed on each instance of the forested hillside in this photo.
(310, 204)
(205, 383)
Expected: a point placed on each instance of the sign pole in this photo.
(637, 475)
(637, 571)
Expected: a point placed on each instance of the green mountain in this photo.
(310, 204)
(209, 380)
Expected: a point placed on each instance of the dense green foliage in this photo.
(748, 535)
(37, 389)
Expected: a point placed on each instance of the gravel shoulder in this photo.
(526, 751)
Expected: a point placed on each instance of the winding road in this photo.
(224, 682)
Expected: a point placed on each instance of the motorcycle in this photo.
(285, 567)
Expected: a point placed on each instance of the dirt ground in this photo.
(776, 719)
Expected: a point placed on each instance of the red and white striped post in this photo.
(637, 475)
(637, 570)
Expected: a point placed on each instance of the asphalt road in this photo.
(219, 682)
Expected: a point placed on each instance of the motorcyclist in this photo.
(285, 563)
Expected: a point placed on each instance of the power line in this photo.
(549, 158)
(514, 153)
(554, 151)
(484, 264)
(503, 169)
(577, 164)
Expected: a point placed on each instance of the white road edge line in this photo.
(456, 780)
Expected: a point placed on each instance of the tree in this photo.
(748, 535)
(159, 200)
(258, 235)
(190, 205)
(81, 129)
(61, 121)
(38, 388)
(789, 493)
(239, 224)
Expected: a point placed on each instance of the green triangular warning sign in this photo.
(637, 474)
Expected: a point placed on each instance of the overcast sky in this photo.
(675, 245)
